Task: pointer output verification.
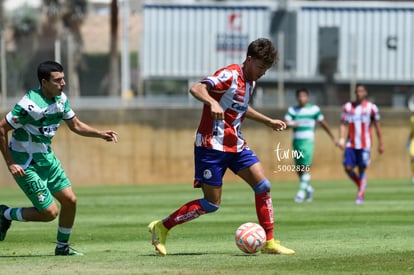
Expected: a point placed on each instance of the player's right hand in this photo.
(216, 111)
(16, 170)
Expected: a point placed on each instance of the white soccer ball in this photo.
(250, 237)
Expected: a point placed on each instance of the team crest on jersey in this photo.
(40, 197)
(207, 174)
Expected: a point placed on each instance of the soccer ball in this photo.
(250, 237)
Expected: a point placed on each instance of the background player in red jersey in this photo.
(358, 116)
(220, 145)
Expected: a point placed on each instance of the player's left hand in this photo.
(110, 136)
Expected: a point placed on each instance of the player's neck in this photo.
(243, 69)
(46, 94)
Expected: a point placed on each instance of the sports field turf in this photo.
(330, 235)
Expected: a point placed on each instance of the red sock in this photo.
(189, 211)
(264, 210)
(354, 177)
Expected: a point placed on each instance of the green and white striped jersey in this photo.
(35, 120)
(306, 118)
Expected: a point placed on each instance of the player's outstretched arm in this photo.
(328, 130)
(83, 129)
(275, 124)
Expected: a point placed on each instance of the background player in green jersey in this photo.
(302, 119)
(33, 122)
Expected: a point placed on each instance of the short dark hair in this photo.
(360, 85)
(46, 68)
(298, 91)
(263, 49)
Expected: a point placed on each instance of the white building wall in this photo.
(194, 40)
(368, 35)
(376, 39)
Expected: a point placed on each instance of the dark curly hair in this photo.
(263, 49)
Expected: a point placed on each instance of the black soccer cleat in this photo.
(4, 223)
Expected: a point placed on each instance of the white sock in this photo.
(6, 214)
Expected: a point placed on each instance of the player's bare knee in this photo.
(69, 201)
(348, 168)
(49, 214)
(72, 200)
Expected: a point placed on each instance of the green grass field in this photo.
(330, 235)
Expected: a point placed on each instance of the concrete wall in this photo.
(156, 146)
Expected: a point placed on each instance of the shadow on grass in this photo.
(198, 254)
(26, 256)
(175, 254)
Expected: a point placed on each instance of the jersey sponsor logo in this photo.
(239, 107)
(356, 118)
(188, 216)
(48, 131)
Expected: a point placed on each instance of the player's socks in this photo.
(353, 176)
(189, 211)
(63, 235)
(264, 207)
(264, 211)
(62, 244)
(305, 179)
(14, 214)
(303, 188)
(309, 193)
(362, 185)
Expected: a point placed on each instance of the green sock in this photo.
(304, 181)
(63, 235)
(303, 186)
(14, 214)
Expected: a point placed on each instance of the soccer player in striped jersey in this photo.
(302, 119)
(358, 116)
(34, 121)
(219, 145)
